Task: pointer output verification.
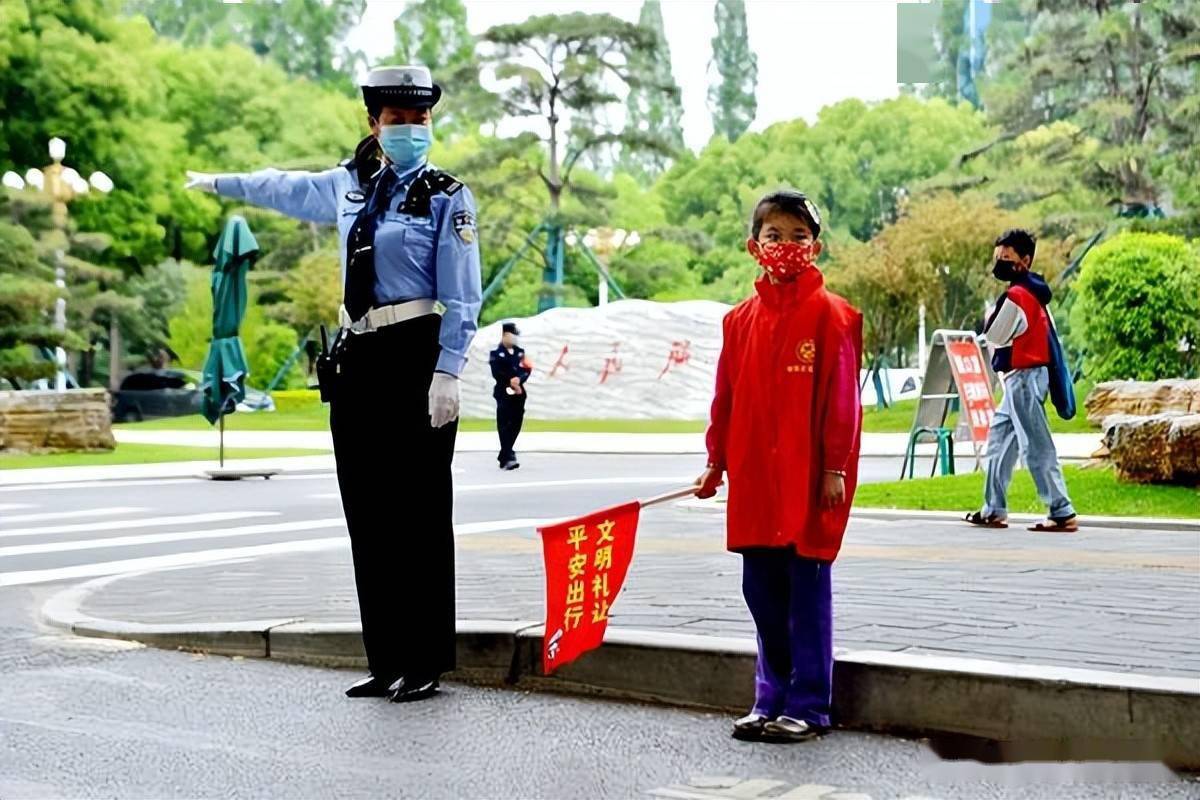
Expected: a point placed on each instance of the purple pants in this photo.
(791, 600)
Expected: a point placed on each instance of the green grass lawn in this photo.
(303, 411)
(144, 454)
(1093, 491)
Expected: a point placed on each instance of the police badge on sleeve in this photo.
(464, 226)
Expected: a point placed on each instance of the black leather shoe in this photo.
(510, 466)
(788, 729)
(750, 727)
(370, 686)
(408, 690)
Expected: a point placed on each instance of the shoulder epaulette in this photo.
(430, 182)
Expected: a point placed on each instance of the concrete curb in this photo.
(876, 691)
(1017, 521)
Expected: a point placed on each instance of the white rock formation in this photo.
(611, 362)
(631, 359)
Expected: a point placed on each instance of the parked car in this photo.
(148, 394)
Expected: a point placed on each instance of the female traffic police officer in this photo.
(407, 234)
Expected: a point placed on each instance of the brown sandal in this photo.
(1052, 525)
(979, 520)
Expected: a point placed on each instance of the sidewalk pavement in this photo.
(1071, 446)
(1119, 601)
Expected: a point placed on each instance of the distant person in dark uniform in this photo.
(510, 370)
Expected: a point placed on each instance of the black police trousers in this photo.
(397, 491)
(510, 415)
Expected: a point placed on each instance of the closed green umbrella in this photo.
(225, 370)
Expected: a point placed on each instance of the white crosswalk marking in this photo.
(495, 525)
(752, 789)
(169, 561)
(87, 513)
(809, 791)
(13, 506)
(630, 481)
(179, 536)
(149, 522)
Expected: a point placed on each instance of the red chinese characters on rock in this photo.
(561, 363)
(971, 379)
(681, 353)
(612, 363)
(586, 562)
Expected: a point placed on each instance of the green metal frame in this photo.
(554, 272)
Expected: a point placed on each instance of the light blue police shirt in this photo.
(433, 257)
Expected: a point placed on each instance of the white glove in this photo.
(443, 399)
(204, 181)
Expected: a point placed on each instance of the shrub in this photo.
(1137, 311)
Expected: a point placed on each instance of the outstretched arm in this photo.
(310, 196)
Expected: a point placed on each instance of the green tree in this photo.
(558, 66)
(162, 288)
(1046, 173)
(654, 104)
(936, 253)
(559, 70)
(731, 97)
(857, 163)
(313, 291)
(268, 344)
(27, 296)
(435, 33)
(303, 36)
(1137, 309)
(1123, 72)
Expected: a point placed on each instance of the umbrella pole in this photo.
(221, 447)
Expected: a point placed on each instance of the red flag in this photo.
(586, 562)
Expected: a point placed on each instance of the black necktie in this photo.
(360, 244)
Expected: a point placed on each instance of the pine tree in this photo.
(731, 98)
(1123, 72)
(653, 103)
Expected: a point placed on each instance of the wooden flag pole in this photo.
(678, 494)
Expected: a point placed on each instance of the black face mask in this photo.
(1005, 270)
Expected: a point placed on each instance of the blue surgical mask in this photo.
(406, 146)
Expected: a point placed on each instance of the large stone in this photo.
(1184, 441)
(50, 421)
(1163, 448)
(630, 359)
(1142, 398)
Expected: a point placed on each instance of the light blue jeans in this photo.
(1020, 426)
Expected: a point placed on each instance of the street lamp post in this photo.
(604, 242)
(62, 185)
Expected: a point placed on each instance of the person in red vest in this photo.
(785, 430)
(1019, 330)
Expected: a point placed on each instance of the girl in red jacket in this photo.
(786, 421)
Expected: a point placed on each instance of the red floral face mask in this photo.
(783, 260)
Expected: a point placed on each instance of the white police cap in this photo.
(408, 86)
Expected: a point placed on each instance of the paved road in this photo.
(102, 719)
(1103, 599)
(70, 530)
(92, 718)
